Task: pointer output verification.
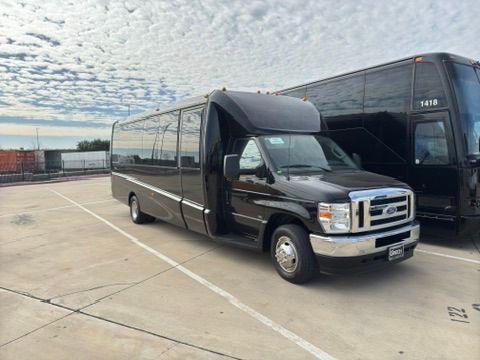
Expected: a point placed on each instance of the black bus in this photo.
(415, 119)
(252, 170)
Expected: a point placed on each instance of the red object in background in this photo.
(16, 161)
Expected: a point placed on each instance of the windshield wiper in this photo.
(303, 166)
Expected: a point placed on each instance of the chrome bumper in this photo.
(358, 245)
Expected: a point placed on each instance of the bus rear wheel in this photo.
(137, 216)
(292, 254)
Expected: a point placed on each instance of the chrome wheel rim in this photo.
(286, 254)
(134, 209)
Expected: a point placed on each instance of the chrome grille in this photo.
(381, 208)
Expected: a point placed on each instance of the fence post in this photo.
(23, 173)
(63, 167)
(84, 171)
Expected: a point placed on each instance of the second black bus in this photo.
(415, 119)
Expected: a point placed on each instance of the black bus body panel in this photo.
(385, 138)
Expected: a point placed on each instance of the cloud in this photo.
(87, 61)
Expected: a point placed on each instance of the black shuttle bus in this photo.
(251, 170)
(417, 120)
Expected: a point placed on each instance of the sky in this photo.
(69, 69)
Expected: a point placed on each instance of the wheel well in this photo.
(275, 221)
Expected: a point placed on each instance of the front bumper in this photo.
(339, 254)
(359, 245)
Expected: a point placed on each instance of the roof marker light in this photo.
(205, 96)
(419, 59)
(224, 89)
(305, 98)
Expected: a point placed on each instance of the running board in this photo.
(238, 241)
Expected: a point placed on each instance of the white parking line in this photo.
(448, 256)
(312, 349)
(55, 208)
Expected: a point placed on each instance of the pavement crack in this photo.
(100, 318)
(151, 276)
(91, 289)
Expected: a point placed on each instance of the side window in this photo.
(127, 143)
(339, 97)
(166, 144)
(190, 143)
(388, 90)
(250, 157)
(431, 144)
(150, 137)
(428, 92)
(297, 93)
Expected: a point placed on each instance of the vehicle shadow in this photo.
(467, 243)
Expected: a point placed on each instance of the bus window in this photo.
(431, 144)
(387, 100)
(150, 137)
(428, 92)
(466, 81)
(166, 146)
(388, 90)
(297, 93)
(340, 97)
(190, 143)
(127, 143)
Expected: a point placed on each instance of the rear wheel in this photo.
(292, 254)
(137, 216)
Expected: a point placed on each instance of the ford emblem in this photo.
(390, 210)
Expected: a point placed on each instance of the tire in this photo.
(291, 244)
(136, 214)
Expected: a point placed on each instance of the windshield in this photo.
(305, 153)
(466, 81)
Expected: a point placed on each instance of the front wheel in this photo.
(292, 254)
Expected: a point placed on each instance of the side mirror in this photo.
(357, 160)
(231, 167)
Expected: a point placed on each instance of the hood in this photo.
(332, 186)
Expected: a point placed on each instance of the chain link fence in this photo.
(25, 170)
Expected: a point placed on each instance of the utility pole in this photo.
(38, 143)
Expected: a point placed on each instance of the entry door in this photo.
(247, 194)
(433, 170)
(191, 176)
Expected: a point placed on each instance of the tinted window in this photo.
(190, 145)
(339, 97)
(166, 145)
(388, 90)
(298, 93)
(428, 91)
(150, 137)
(431, 144)
(127, 142)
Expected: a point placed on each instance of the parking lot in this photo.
(79, 280)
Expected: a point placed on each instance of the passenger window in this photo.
(428, 91)
(150, 137)
(127, 143)
(388, 90)
(251, 157)
(296, 93)
(431, 144)
(166, 144)
(190, 144)
(339, 97)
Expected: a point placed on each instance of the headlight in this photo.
(334, 218)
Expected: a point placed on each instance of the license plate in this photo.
(395, 252)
